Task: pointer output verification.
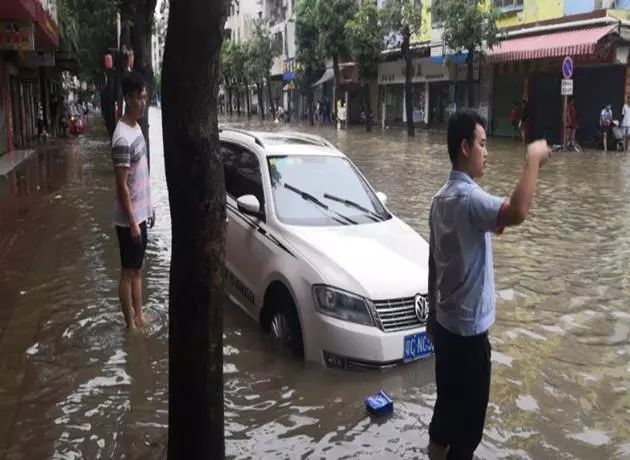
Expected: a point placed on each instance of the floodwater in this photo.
(74, 385)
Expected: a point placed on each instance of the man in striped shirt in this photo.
(133, 211)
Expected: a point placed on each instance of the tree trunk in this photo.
(195, 179)
(366, 106)
(247, 100)
(140, 36)
(470, 62)
(238, 99)
(408, 73)
(229, 95)
(310, 98)
(336, 72)
(272, 109)
(261, 108)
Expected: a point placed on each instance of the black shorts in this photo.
(131, 252)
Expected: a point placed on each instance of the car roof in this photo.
(282, 143)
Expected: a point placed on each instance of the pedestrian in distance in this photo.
(524, 120)
(515, 119)
(133, 211)
(605, 123)
(461, 282)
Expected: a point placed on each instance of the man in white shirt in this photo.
(133, 210)
(625, 123)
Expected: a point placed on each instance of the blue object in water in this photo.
(379, 404)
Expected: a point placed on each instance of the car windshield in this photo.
(321, 191)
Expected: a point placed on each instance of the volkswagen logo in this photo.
(422, 308)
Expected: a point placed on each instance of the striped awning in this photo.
(554, 44)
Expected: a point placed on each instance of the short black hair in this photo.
(132, 81)
(462, 125)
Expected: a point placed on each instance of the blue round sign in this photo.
(567, 67)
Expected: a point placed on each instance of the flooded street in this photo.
(74, 385)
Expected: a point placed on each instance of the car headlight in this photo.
(343, 305)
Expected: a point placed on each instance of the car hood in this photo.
(384, 260)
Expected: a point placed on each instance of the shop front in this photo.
(530, 68)
(391, 79)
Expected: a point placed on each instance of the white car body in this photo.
(383, 262)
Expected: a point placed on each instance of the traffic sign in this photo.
(567, 67)
(566, 89)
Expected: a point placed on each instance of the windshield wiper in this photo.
(313, 199)
(372, 215)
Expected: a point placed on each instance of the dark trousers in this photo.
(462, 375)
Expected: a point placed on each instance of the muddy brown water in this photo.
(74, 385)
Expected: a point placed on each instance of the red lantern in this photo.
(109, 62)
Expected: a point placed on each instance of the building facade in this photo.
(28, 42)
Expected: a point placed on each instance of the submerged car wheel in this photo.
(284, 324)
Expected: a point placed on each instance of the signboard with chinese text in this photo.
(17, 35)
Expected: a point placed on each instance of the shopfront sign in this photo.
(17, 35)
(39, 59)
(288, 69)
(423, 70)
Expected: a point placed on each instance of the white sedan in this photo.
(314, 255)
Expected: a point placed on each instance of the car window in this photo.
(242, 172)
(343, 195)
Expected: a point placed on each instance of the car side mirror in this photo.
(249, 205)
(382, 198)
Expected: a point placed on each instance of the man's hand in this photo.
(538, 152)
(136, 235)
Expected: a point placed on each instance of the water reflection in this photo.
(73, 385)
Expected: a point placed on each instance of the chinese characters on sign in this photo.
(17, 35)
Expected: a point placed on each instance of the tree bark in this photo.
(137, 18)
(470, 61)
(272, 109)
(408, 73)
(261, 107)
(310, 100)
(336, 73)
(229, 96)
(366, 105)
(196, 187)
(247, 99)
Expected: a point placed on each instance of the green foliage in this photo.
(403, 18)
(468, 25)
(331, 17)
(364, 38)
(88, 26)
(309, 57)
(260, 53)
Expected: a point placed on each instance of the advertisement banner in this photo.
(17, 35)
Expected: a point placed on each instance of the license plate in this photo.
(417, 346)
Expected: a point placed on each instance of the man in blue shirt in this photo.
(461, 282)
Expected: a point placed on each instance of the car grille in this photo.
(398, 314)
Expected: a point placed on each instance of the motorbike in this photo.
(77, 123)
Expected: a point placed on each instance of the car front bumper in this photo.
(349, 345)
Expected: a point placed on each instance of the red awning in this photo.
(555, 44)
